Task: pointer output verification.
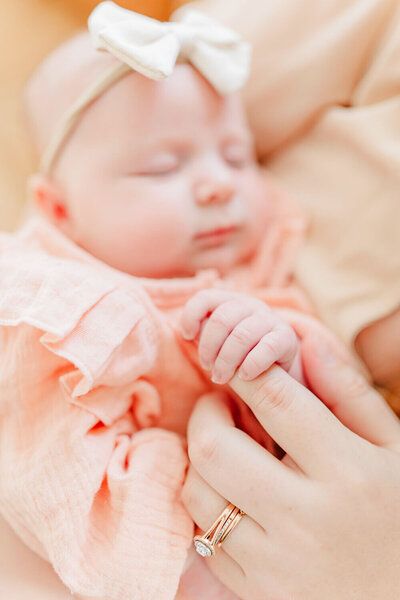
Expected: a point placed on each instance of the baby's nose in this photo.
(213, 192)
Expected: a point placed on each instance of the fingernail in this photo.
(204, 365)
(216, 377)
(186, 335)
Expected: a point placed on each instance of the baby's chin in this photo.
(223, 258)
(220, 259)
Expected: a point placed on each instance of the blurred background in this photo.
(29, 30)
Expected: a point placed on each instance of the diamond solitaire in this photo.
(203, 547)
(205, 544)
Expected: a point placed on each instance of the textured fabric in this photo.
(324, 100)
(152, 48)
(96, 390)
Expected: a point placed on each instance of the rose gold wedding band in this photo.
(225, 523)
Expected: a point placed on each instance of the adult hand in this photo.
(325, 521)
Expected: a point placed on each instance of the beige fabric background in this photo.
(324, 103)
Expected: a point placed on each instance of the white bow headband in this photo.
(152, 48)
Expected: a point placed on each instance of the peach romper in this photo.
(96, 390)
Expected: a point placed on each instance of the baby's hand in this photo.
(236, 330)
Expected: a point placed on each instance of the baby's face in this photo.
(160, 179)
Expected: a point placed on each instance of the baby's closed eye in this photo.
(237, 154)
(161, 163)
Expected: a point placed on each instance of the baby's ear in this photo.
(48, 199)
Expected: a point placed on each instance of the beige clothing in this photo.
(324, 103)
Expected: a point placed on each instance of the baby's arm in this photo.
(234, 331)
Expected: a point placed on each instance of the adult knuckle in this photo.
(356, 385)
(272, 394)
(355, 483)
(190, 495)
(203, 449)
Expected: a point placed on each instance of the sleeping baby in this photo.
(159, 264)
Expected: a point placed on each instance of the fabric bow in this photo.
(152, 47)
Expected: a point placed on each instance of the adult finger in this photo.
(221, 570)
(348, 395)
(207, 577)
(234, 464)
(204, 504)
(289, 462)
(298, 421)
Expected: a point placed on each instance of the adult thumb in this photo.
(347, 394)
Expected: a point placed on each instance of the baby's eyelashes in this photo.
(237, 154)
(160, 164)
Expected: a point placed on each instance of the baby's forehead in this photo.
(185, 102)
(58, 81)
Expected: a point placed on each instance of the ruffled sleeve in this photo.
(81, 480)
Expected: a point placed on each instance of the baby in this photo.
(157, 223)
(171, 191)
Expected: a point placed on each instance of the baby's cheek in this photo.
(158, 235)
(166, 227)
(261, 201)
(258, 215)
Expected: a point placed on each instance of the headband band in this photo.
(152, 48)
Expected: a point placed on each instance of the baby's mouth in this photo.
(217, 236)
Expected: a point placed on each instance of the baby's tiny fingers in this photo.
(280, 345)
(239, 343)
(219, 325)
(198, 307)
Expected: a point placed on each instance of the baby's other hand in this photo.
(236, 330)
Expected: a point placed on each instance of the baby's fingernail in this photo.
(217, 377)
(204, 365)
(186, 335)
